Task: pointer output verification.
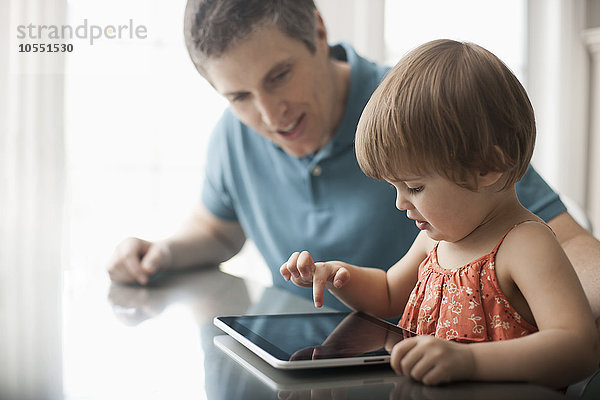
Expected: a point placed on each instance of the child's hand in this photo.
(432, 360)
(303, 271)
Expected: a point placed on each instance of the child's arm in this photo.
(565, 349)
(371, 290)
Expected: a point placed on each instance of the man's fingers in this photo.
(157, 257)
(118, 273)
(125, 265)
(134, 267)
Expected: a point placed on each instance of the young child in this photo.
(452, 130)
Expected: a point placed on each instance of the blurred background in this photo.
(108, 140)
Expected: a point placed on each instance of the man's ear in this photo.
(320, 29)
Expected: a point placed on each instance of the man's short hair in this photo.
(451, 108)
(212, 26)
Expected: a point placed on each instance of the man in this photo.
(281, 168)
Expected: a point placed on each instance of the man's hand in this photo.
(432, 360)
(135, 260)
(303, 271)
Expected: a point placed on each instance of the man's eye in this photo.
(415, 189)
(239, 97)
(280, 75)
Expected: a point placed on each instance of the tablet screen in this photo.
(298, 337)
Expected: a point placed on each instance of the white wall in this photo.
(359, 22)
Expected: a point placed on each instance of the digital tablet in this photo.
(317, 340)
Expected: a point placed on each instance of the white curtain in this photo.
(593, 42)
(558, 85)
(31, 200)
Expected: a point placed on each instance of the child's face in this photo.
(445, 210)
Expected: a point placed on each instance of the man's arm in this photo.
(203, 240)
(583, 251)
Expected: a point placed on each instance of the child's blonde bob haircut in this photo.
(449, 108)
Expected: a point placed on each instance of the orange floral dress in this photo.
(463, 304)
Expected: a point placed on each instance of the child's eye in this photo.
(415, 189)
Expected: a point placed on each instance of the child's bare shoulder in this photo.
(530, 231)
(530, 240)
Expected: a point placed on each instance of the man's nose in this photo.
(271, 109)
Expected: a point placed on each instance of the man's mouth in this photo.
(293, 128)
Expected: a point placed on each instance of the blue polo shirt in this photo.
(322, 203)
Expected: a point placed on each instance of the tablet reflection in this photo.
(356, 334)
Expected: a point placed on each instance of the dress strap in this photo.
(513, 227)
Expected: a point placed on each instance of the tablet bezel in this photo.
(278, 358)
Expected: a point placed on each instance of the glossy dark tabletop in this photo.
(157, 342)
(170, 329)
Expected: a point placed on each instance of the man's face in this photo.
(276, 86)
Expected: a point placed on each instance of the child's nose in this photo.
(402, 203)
